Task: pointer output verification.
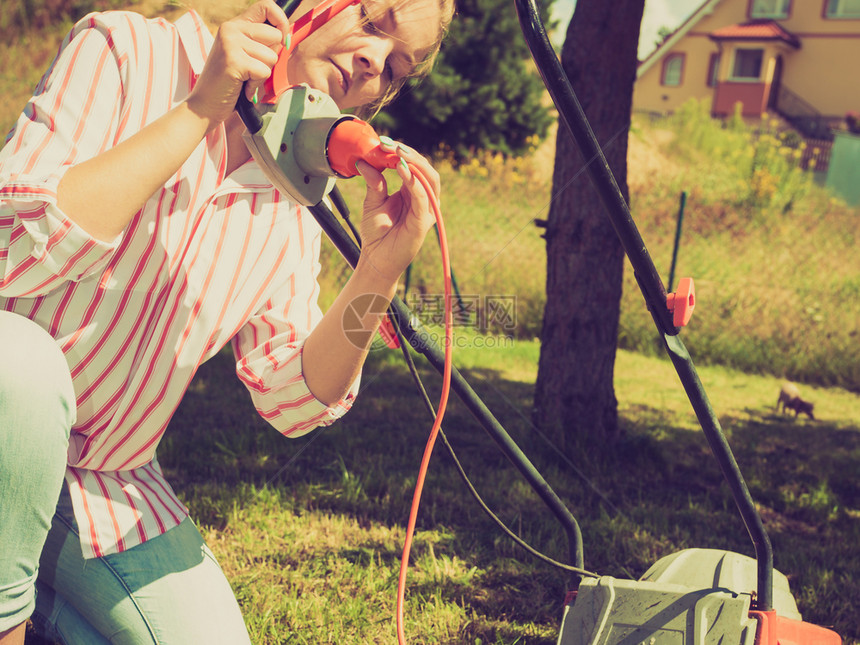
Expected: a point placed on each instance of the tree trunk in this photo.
(574, 394)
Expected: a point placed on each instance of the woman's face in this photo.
(357, 54)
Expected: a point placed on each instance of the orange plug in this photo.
(352, 140)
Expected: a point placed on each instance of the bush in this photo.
(754, 167)
(483, 95)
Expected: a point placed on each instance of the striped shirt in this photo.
(209, 259)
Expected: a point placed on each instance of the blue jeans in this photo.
(168, 590)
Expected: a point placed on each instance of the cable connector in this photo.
(305, 143)
(290, 145)
(353, 140)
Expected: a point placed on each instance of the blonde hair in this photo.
(421, 69)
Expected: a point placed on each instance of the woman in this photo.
(137, 238)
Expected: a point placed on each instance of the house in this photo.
(796, 58)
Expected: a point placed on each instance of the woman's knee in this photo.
(37, 409)
(36, 392)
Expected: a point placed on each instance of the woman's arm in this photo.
(102, 194)
(393, 228)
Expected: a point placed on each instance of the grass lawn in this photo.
(310, 530)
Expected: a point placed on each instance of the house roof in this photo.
(707, 8)
(764, 30)
(756, 30)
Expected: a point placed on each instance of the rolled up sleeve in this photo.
(268, 351)
(40, 247)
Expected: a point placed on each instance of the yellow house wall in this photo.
(823, 71)
(825, 75)
(650, 96)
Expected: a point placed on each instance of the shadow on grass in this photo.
(666, 490)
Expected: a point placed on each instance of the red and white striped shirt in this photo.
(209, 259)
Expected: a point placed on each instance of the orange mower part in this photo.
(682, 302)
(779, 630)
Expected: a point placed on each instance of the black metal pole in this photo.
(678, 225)
(731, 472)
(423, 343)
(649, 282)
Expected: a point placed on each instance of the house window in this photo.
(843, 9)
(673, 70)
(747, 65)
(770, 9)
(713, 70)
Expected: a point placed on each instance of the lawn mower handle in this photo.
(649, 281)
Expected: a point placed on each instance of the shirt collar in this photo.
(248, 177)
(195, 38)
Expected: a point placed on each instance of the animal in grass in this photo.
(789, 398)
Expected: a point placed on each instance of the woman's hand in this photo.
(246, 48)
(392, 230)
(393, 226)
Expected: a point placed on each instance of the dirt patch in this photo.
(777, 522)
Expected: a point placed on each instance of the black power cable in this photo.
(404, 346)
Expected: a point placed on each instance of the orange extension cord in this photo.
(273, 88)
(443, 402)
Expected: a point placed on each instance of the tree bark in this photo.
(574, 393)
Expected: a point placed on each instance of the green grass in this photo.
(771, 252)
(310, 530)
